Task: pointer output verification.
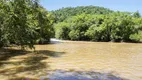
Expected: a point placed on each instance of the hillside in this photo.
(64, 13)
(94, 23)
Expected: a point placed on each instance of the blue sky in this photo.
(120, 5)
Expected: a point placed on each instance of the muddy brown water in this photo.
(122, 59)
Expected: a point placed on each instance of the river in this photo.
(122, 59)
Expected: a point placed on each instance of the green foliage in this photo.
(137, 14)
(94, 33)
(114, 26)
(74, 35)
(23, 22)
(64, 13)
(44, 22)
(62, 30)
(136, 37)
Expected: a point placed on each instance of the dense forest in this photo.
(64, 13)
(92, 23)
(26, 22)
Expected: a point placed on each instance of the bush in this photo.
(137, 37)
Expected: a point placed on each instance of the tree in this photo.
(83, 24)
(62, 30)
(137, 14)
(67, 12)
(21, 21)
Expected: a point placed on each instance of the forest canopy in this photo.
(24, 23)
(94, 23)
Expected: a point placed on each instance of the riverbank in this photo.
(54, 41)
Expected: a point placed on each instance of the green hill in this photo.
(94, 23)
(64, 13)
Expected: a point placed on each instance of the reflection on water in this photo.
(80, 75)
(124, 59)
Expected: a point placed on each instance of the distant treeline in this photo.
(93, 23)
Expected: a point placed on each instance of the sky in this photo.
(116, 5)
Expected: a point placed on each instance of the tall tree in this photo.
(137, 14)
(20, 21)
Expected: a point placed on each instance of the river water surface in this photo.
(122, 59)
